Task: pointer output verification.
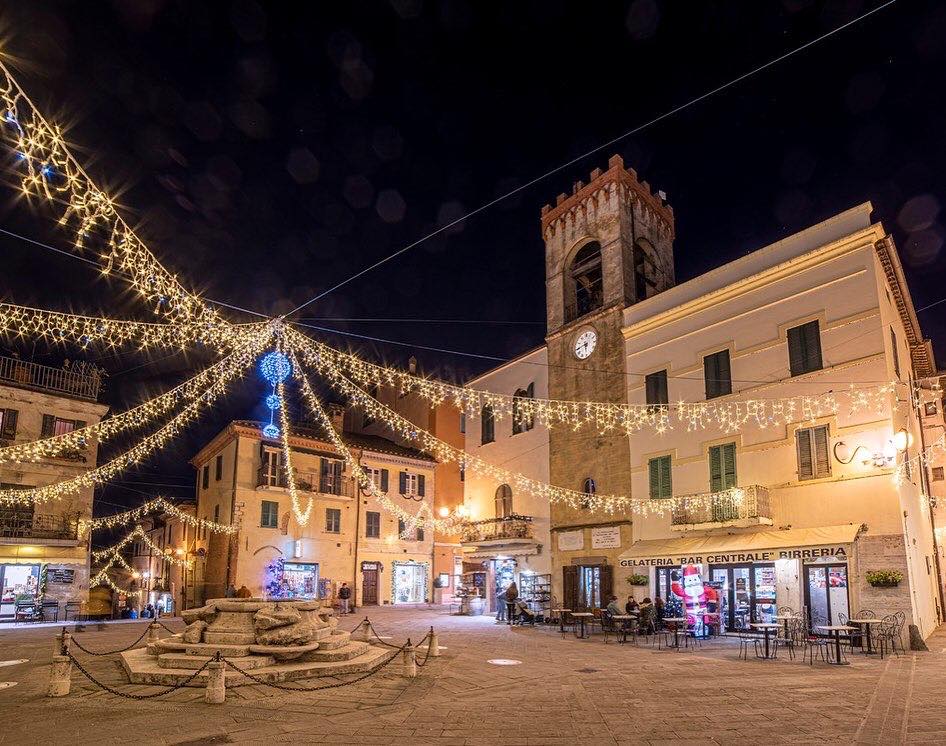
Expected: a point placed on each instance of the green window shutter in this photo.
(654, 469)
(822, 461)
(805, 465)
(729, 465)
(715, 468)
(666, 484)
(49, 426)
(804, 348)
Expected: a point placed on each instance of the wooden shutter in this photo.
(607, 584)
(420, 485)
(710, 376)
(715, 468)
(728, 452)
(796, 350)
(570, 586)
(813, 346)
(49, 426)
(384, 480)
(654, 475)
(822, 461)
(724, 386)
(9, 424)
(337, 477)
(803, 442)
(400, 527)
(894, 352)
(402, 482)
(666, 484)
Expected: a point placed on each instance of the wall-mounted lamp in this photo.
(902, 440)
(877, 459)
(444, 511)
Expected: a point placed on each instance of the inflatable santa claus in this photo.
(694, 596)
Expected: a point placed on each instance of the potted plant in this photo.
(884, 578)
(636, 579)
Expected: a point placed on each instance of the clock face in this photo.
(585, 343)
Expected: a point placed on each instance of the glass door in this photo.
(764, 596)
(589, 587)
(719, 577)
(826, 593)
(741, 582)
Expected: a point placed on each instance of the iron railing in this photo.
(306, 482)
(738, 503)
(511, 527)
(26, 525)
(83, 383)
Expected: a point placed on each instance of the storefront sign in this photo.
(60, 575)
(607, 537)
(768, 555)
(370, 565)
(571, 540)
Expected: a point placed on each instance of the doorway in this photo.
(746, 594)
(369, 583)
(826, 593)
(410, 583)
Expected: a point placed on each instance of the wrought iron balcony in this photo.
(498, 529)
(747, 505)
(80, 380)
(305, 482)
(28, 525)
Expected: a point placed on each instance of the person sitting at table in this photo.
(647, 621)
(631, 607)
(659, 610)
(612, 607)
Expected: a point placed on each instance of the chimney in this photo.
(336, 413)
(412, 365)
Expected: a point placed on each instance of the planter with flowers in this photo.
(884, 578)
(636, 579)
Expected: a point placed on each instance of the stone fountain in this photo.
(276, 640)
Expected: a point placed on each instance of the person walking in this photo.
(344, 594)
(511, 594)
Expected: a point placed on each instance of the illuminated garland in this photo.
(158, 505)
(192, 389)
(106, 580)
(48, 170)
(55, 326)
(604, 417)
(138, 532)
(140, 450)
(302, 516)
(923, 459)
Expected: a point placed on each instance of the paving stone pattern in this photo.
(566, 691)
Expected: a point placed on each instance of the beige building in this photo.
(162, 583)
(508, 534)
(42, 554)
(932, 402)
(349, 538)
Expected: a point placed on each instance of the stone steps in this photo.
(337, 639)
(229, 638)
(344, 653)
(193, 662)
(209, 650)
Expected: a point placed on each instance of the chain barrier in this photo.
(386, 644)
(162, 624)
(426, 657)
(75, 641)
(126, 695)
(337, 685)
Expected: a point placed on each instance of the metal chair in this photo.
(607, 625)
(784, 610)
(72, 607)
(865, 614)
(49, 611)
(850, 638)
(890, 634)
(745, 640)
(811, 641)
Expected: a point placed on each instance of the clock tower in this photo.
(607, 245)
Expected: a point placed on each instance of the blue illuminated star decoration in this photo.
(275, 368)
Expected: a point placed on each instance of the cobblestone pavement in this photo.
(564, 691)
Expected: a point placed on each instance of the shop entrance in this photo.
(369, 583)
(504, 572)
(587, 586)
(19, 583)
(746, 594)
(300, 580)
(410, 583)
(826, 593)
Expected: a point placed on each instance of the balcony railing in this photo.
(737, 504)
(80, 381)
(512, 527)
(306, 482)
(583, 305)
(26, 525)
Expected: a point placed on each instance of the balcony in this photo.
(740, 506)
(513, 529)
(29, 526)
(80, 380)
(305, 482)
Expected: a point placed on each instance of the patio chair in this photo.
(690, 638)
(72, 607)
(567, 623)
(889, 635)
(793, 637)
(49, 611)
(26, 611)
(607, 625)
(865, 614)
(810, 642)
(853, 638)
(747, 639)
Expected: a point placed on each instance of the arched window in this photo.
(589, 488)
(585, 282)
(523, 419)
(646, 270)
(503, 501)
(488, 425)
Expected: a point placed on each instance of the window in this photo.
(8, 424)
(333, 520)
(53, 425)
(523, 418)
(488, 434)
(804, 348)
(372, 524)
(894, 352)
(216, 519)
(646, 271)
(586, 282)
(463, 422)
(272, 473)
(503, 501)
(716, 374)
(722, 467)
(401, 528)
(938, 474)
(660, 479)
(379, 477)
(656, 385)
(813, 459)
(330, 482)
(412, 485)
(589, 487)
(269, 514)
(929, 408)
(420, 534)
(218, 468)
(205, 476)
(462, 473)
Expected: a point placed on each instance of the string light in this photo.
(106, 580)
(138, 532)
(158, 505)
(925, 458)
(301, 516)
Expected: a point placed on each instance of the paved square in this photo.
(565, 691)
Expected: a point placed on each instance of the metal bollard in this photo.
(153, 629)
(60, 676)
(410, 660)
(216, 693)
(433, 647)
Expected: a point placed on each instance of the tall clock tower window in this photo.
(586, 282)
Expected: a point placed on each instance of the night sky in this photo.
(268, 151)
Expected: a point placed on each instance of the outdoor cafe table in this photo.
(676, 621)
(867, 622)
(581, 616)
(785, 619)
(766, 628)
(837, 629)
(561, 618)
(624, 618)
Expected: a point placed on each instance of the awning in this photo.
(515, 550)
(754, 546)
(35, 554)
